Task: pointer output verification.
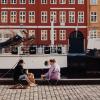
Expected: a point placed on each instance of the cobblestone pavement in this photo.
(45, 92)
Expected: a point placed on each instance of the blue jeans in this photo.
(23, 77)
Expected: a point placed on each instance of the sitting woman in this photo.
(54, 71)
(20, 73)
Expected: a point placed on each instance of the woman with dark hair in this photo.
(20, 73)
(54, 71)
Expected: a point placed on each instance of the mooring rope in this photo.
(2, 76)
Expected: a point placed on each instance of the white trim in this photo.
(61, 8)
(44, 3)
(21, 27)
(81, 16)
(12, 8)
(13, 2)
(92, 3)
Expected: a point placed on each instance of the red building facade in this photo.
(36, 15)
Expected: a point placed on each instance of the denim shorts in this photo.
(22, 77)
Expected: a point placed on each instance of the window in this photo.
(62, 16)
(93, 33)
(62, 1)
(53, 2)
(71, 17)
(13, 1)
(22, 1)
(80, 1)
(53, 16)
(93, 2)
(43, 1)
(43, 16)
(93, 17)
(55, 34)
(31, 33)
(31, 17)
(31, 1)
(62, 34)
(4, 1)
(22, 17)
(43, 34)
(13, 18)
(71, 1)
(80, 17)
(4, 17)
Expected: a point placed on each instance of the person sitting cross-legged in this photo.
(20, 74)
(54, 71)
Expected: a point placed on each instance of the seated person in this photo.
(20, 74)
(31, 77)
(54, 71)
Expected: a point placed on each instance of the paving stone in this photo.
(45, 92)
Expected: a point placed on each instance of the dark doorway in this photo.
(76, 42)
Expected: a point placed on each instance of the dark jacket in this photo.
(18, 70)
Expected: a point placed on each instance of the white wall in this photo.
(93, 43)
(31, 62)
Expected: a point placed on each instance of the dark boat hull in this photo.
(83, 66)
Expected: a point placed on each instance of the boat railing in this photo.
(93, 52)
(34, 50)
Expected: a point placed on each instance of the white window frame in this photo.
(71, 1)
(62, 1)
(62, 35)
(13, 16)
(22, 2)
(80, 1)
(80, 16)
(62, 17)
(93, 3)
(53, 1)
(53, 16)
(92, 15)
(44, 35)
(31, 1)
(31, 16)
(44, 16)
(13, 1)
(43, 1)
(71, 16)
(22, 15)
(55, 34)
(4, 14)
(4, 1)
(93, 33)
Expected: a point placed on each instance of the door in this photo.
(76, 42)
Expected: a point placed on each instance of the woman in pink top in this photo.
(54, 71)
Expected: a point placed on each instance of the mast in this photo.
(52, 34)
(76, 29)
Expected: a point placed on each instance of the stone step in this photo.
(90, 81)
